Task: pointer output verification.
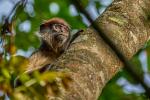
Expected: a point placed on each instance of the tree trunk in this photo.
(91, 62)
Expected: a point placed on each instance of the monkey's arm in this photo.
(39, 59)
(36, 61)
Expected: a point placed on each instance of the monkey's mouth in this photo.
(60, 38)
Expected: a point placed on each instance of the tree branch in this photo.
(128, 66)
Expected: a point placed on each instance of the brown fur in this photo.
(41, 58)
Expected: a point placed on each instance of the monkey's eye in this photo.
(64, 28)
(56, 27)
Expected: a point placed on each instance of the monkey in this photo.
(56, 38)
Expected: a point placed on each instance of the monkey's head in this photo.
(55, 32)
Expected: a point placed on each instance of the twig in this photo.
(11, 16)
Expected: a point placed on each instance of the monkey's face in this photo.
(55, 35)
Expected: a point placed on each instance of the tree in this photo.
(90, 62)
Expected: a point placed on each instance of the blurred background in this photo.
(26, 25)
